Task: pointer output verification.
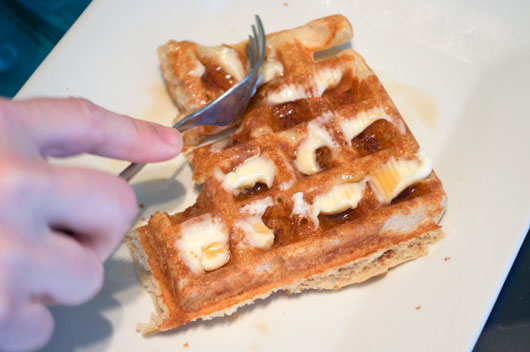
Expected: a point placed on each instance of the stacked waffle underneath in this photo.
(322, 185)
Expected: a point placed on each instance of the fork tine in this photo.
(256, 44)
(250, 53)
(249, 59)
(255, 49)
(252, 45)
(255, 33)
(261, 38)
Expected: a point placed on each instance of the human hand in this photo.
(58, 224)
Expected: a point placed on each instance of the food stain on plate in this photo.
(262, 327)
(413, 102)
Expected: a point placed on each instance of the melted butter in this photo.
(247, 174)
(257, 234)
(318, 83)
(301, 208)
(288, 92)
(354, 126)
(203, 243)
(386, 182)
(306, 159)
(396, 175)
(271, 67)
(214, 250)
(225, 57)
(340, 198)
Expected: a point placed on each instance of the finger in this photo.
(68, 273)
(54, 268)
(71, 126)
(96, 206)
(30, 327)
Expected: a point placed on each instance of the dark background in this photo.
(29, 29)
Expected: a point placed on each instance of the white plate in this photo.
(460, 74)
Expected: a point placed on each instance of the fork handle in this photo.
(130, 171)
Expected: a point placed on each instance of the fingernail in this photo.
(170, 136)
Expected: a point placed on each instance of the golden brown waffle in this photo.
(322, 185)
(196, 74)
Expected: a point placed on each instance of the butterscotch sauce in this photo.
(413, 102)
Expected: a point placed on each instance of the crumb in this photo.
(285, 4)
(186, 345)
(142, 218)
(418, 307)
(447, 258)
(141, 205)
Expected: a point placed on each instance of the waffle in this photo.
(322, 185)
(197, 74)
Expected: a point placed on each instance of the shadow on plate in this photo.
(161, 193)
(86, 326)
(260, 304)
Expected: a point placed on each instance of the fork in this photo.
(229, 106)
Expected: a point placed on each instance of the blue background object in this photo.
(29, 29)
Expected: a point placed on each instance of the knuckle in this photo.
(88, 111)
(13, 259)
(11, 176)
(89, 115)
(86, 105)
(16, 180)
(139, 129)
